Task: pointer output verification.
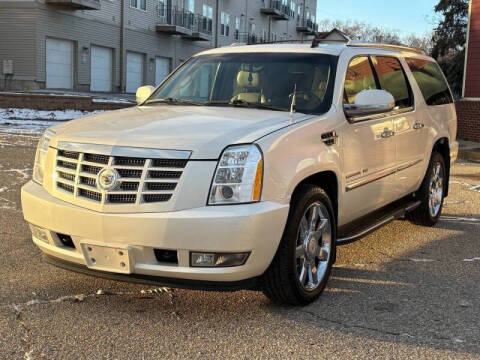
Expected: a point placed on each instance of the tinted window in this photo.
(431, 81)
(392, 79)
(359, 77)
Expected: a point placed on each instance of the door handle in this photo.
(418, 126)
(387, 133)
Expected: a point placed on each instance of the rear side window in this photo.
(359, 77)
(392, 79)
(431, 81)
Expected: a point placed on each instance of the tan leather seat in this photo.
(249, 86)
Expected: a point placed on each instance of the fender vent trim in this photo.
(330, 138)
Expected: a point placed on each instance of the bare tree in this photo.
(358, 30)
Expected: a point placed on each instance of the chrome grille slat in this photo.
(142, 181)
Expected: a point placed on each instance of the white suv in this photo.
(247, 167)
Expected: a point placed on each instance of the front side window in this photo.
(139, 4)
(259, 80)
(359, 77)
(392, 79)
(431, 81)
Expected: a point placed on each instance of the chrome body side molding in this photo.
(380, 175)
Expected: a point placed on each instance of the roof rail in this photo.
(385, 46)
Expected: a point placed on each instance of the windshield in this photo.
(260, 80)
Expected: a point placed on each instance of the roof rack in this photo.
(295, 41)
(385, 46)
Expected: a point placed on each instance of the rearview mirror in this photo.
(370, 102)
(143, 93)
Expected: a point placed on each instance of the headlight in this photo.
(41, 156)
(239, 176)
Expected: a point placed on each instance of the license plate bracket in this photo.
(102, 257)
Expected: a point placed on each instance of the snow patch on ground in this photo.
(31, 114)
(112, 101)
(24, 173)
(30, 121)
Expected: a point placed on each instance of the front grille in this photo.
(141, 181)
(89, 194)
(122, 198)
(155, 174)
(95, 158)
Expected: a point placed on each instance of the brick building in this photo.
(468, 108)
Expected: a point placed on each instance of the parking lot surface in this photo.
(402, 292)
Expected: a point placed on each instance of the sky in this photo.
(407, 16)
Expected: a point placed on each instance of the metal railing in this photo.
(203, 25)
(279, 6)
(249, 38)
(307, 23)
(173, 15)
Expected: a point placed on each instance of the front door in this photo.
(369, 150)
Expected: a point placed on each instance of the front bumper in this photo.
(255, 228)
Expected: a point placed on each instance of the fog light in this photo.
(217, 259)
(39, 233)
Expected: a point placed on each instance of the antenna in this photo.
(294, 102)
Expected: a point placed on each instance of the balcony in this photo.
(248, 38)
(306, 26)
(76, 4)
(202, 29)
(276, 10)
(175, 21)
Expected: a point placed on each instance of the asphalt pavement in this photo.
(403, 292)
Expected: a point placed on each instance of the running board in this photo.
(375, 221)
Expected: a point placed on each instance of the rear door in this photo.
(368, 149)
(410, 130)
(101, 69)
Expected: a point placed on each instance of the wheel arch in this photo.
(328, 181)
(442, 146)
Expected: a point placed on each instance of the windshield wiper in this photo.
(240, 102)
(174, 101)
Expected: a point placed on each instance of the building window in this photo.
(189, 5)
(139, 4)
(237, 28)
(207, 12)
(293, 10)
(225, 24)
(162, 7)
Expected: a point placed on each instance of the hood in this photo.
(205, 131)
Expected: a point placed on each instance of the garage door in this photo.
(59, 64)
(101, 69)
(134, 71)
(162, 69)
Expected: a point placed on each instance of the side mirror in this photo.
(370, 102)
(143, 93)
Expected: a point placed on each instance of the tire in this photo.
(303, 252)
(429, 211)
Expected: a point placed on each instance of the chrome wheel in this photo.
(436, 190)
(314, 245)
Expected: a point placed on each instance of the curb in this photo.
(470, 155)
